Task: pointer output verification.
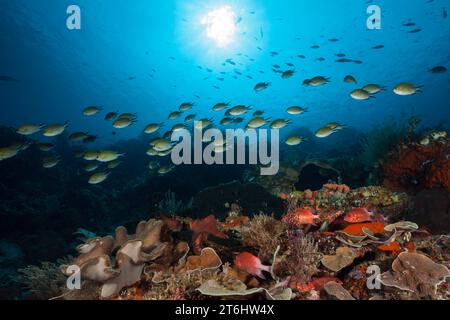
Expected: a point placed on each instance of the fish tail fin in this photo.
(264, 268)
(260, 275)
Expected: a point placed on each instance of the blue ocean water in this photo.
(143, 57)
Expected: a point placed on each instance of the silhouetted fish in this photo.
(8, 79)
(343, 60)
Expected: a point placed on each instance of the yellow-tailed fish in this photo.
(54, 129)
(29, 129)
(98, 177)
(108, 156)
(91, 110)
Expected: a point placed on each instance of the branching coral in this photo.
(300, 261)
(44, 281)
(265, 233)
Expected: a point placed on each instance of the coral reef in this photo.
(419, 165)
(306, 261)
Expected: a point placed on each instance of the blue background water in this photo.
(62, 71)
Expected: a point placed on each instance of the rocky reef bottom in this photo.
(335, 243)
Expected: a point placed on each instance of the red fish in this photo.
(251, 264)
(305, 216)
(358, 215)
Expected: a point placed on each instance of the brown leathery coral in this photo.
(415, 273)
(125, 269)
